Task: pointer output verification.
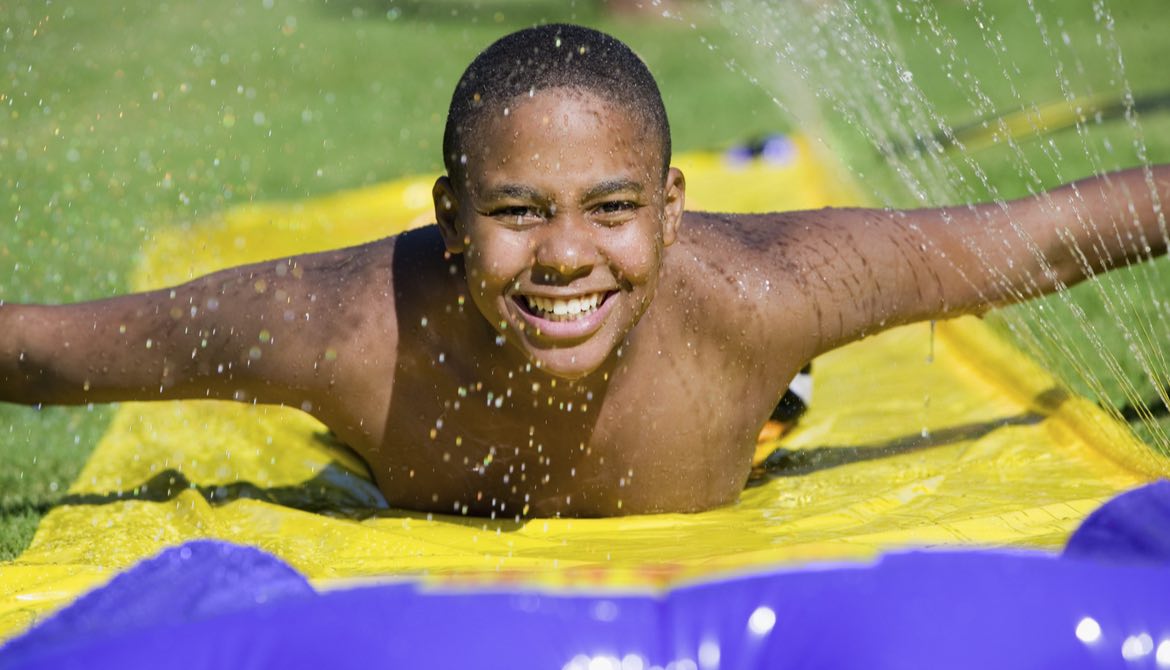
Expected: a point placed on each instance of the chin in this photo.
(570, 363)
(556, 366)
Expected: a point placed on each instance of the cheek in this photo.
(496, 259)
(636, 253)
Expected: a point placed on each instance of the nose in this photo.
(565, 251)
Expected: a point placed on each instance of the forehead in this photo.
(562, 133)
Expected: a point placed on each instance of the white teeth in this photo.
(560, 309)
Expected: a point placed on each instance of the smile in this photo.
(564, 319)
(563, 309)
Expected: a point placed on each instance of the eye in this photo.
(512, 211)
(616, 206)
(612, 212)
(517, 215)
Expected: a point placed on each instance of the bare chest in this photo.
(655, 435)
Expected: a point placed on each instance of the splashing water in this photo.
(931, 103)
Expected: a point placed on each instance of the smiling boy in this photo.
(566, 340)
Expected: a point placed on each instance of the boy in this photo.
(566, 340)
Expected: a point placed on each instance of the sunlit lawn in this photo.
(119, 118)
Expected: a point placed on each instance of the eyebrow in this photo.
(610, 186)
(518, 191)
(523, 192)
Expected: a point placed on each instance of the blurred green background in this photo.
(119, 118)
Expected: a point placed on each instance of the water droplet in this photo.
(709, 654)
(1088, 630)
(1137, 646)
(1162, 656)
(762, 620)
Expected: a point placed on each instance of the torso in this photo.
(669, 426)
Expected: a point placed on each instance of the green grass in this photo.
(121, 118)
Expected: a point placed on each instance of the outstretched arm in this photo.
(1014, 251)
(274, 332)
(865, 270)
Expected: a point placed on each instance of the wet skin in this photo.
(439, 356)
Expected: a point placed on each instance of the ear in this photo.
(673, 206)
(447, 215)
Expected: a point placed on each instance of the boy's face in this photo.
(562, 220)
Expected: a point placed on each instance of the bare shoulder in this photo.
(740, 281)
(800, 283)
(323, 331)
(332, 294)
(736, 241)
(832, 276)
(790, 241)
(763, 260)
(344, 312)
(300, 330)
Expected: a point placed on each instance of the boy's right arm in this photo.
(275, 332)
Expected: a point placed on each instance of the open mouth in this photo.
(563, 309)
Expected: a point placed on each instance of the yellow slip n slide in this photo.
(919, 437)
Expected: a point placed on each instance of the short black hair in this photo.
(552, 56)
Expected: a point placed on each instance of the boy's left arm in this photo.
(861, 271)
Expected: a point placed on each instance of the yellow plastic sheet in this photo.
(918, 437)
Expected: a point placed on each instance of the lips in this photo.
(564, 317)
